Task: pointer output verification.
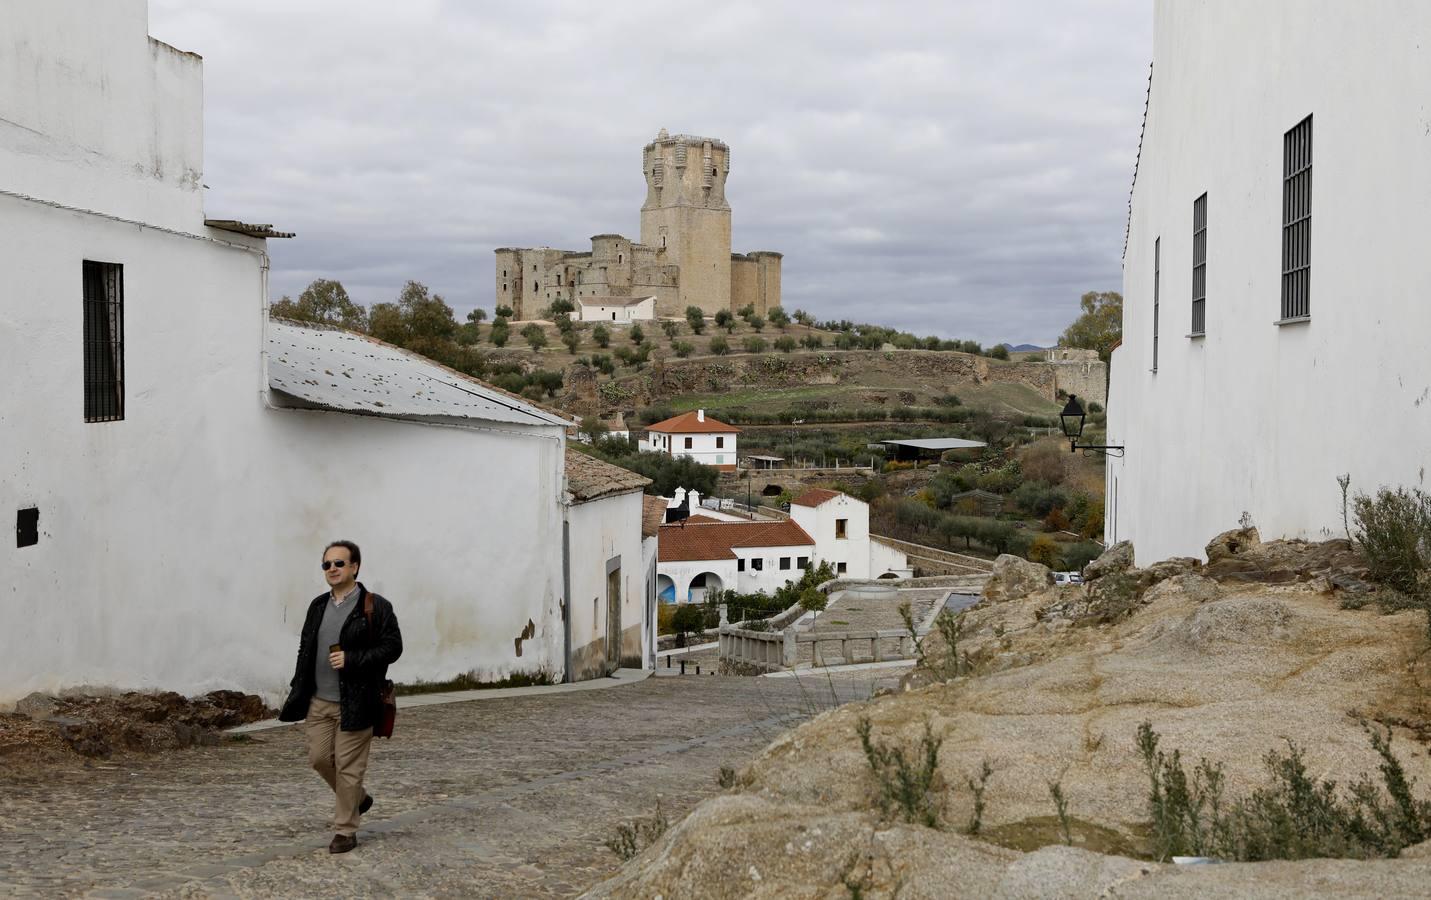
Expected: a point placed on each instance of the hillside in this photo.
(1246, 661)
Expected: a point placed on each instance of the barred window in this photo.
(103, 342)
(1199, 265)
(1297, 221)
(1157, 254)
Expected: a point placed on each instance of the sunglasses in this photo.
(334, 564)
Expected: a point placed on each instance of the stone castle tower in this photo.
(686, 214)
(683, 258)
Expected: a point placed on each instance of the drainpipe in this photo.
(566, 597)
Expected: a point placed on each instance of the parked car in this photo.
(1067, 578)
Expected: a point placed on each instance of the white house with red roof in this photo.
(697, 436)
(840, 525)
(702, 554)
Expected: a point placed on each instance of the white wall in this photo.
(644, 311)
(819, 522)
(682, 573)
(886, 560)
(179, 547)
(703, 447)
(99, 115)
(602, 530)
(771, 576)
(1256, 417)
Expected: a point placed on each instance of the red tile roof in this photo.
(718, 540)
(815, 497)
(686, 423)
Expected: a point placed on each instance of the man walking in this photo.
(349, 639)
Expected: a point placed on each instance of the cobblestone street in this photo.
(492, 798)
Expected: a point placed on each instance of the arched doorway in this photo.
(665, 589)
(889, 575)
(703, 584)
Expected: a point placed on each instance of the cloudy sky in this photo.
(957, 168)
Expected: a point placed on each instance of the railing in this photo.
(772, 650)
(763, 649)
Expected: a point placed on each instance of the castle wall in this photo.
(767, 280)
(743, 282)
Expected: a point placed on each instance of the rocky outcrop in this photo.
(1223, 669)
(1117, 558)
(1231, 543)
(1015, 577)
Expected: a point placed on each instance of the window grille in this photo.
(103, 342)
(1199, 297)
(1157, 256)
(1297, 221)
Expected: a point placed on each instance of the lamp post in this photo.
(1072, 419)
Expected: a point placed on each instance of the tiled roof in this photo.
(698, 519)
(718, 540)
(687, 423)
(814, 497)
(653, 515)
(588, 478)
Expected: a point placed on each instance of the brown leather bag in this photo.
(387, 716)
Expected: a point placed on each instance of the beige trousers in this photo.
(341, 757)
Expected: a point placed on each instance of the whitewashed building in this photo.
(1274, 327)
(840, 525)
(697, 436)
(616, 310)
(701, 554)
(711, 550)
(176, 463)
(607, 572)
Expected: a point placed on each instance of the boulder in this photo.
(1015, 578)
(37, 706)
(1231, 543)
(1117, 558)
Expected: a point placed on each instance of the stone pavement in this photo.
(501, 798)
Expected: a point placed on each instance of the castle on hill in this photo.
(683, 258)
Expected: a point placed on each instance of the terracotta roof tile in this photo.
(653, 515)
(687, 423)
(589, 478)
(718, 540)
(814, 497)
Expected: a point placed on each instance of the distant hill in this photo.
(1023, 348)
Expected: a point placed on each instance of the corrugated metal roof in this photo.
(340, 370)
(938, 443)
(259, 231)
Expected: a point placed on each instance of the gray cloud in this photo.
(951, 168)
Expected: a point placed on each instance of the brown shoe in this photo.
(342, 843)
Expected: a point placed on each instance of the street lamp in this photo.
(1072, 419)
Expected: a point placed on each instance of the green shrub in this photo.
(571, 339)
(812, 342)
(907, 784)
(1296, 816)
(696, 319)
(719, 345)
(785, 343)
(724, 319)
(755, 322)
(682, 348)
(671, 327)
(754, 344)
(778, 318)
(535, 336)
(636, 334)
(602, 335)
(497, 334)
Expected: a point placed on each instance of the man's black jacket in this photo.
(369, 649)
